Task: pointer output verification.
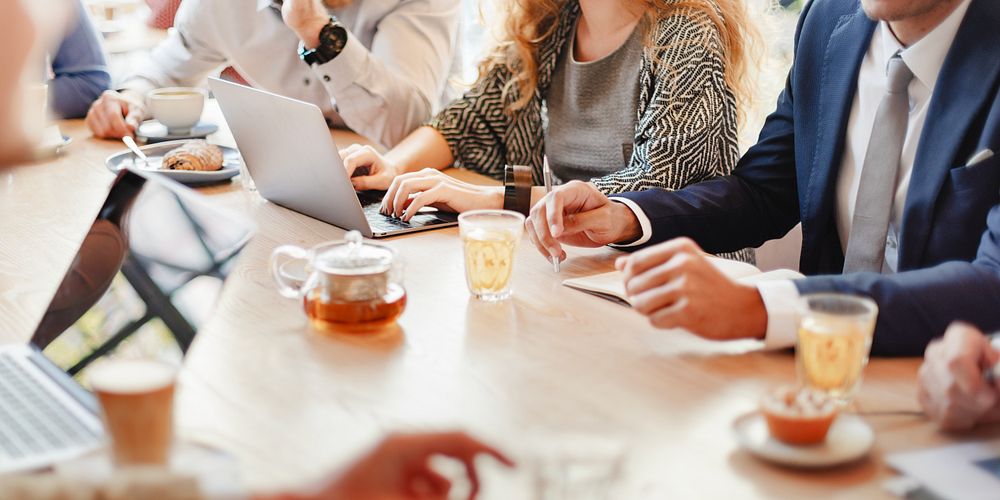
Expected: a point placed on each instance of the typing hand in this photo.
(410, 192)
(952, 390)
(115, 115)
(398, 469)
(367, 168)
(676, 286)
(578, 214)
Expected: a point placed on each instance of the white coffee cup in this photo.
(177, 108)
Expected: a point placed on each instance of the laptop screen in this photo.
(147, 274)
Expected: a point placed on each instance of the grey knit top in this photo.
(592, 111)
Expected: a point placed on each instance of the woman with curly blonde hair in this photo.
(628, 95)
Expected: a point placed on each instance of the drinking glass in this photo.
(490, 238)
(136, 398)
(834, 341)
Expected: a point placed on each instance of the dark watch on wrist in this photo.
(332, 39)
(517, 188)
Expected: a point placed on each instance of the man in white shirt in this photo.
(881, 146)
(377, 67)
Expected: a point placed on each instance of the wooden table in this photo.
(291, 405)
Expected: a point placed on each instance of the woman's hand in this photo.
(367, 168)
(431, 188)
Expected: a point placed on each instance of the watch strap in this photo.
(517, 188)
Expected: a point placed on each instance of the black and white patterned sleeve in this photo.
(475, 124)
(687, 126)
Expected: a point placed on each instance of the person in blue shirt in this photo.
(80, 69)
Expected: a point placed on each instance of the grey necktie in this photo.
(873, 206)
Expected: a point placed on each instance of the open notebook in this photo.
(611, 286)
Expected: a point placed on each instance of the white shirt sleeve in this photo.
(781, 299)
(387, 91)
(644, 223)
(187, 56)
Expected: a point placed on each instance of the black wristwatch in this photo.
(332, 39)
(517, 188)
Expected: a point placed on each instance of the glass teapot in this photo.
(347, 286)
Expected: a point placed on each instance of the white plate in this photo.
(850, 438)
(230, 165)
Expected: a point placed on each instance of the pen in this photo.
(547, 175)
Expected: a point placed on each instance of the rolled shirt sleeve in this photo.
(386, 91)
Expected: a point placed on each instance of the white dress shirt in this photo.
(925, 59)
(391, 77)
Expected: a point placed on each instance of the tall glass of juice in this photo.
(834, 341)
(490, 239)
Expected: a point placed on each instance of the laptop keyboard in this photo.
(371, 201)
(32, 421)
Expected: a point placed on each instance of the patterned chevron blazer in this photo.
(686, 124)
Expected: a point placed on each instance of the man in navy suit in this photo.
(881, 146)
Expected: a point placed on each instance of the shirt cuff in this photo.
(781, 299)
(344, 70)
(644, 224)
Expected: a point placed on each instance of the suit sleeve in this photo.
(917, 306)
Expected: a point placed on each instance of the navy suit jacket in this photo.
(949, 253)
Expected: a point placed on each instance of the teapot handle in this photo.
(292, 253)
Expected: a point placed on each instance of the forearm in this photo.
(424, 148)
(72, 94)
(917, 306)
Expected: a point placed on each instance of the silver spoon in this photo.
(130, 142)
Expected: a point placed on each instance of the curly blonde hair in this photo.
(529, 23)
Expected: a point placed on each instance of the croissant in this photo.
(194, 155)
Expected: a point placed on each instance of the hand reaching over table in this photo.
(398, 469)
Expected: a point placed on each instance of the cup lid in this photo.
(354, 257)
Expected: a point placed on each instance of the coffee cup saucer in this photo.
(850, 439)
(151, 131)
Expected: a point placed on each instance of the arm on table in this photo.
(80, 69)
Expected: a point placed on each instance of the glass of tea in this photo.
(349, 286)
(834, 341)
(489, 238)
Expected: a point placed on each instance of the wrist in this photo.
(754, 312)
(494, 198)
(308, 30)
(629, 230)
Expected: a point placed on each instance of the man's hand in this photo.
(429, 187)
(115, 115)
(367, 168)
(676, 286)
(952, 390)
(399, 469)
(306, 18)
(578, 214)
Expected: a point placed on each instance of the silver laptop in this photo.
(294, 162)
(146, 274)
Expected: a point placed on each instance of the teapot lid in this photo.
(355, 257)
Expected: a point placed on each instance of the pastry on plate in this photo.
(194, 155)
